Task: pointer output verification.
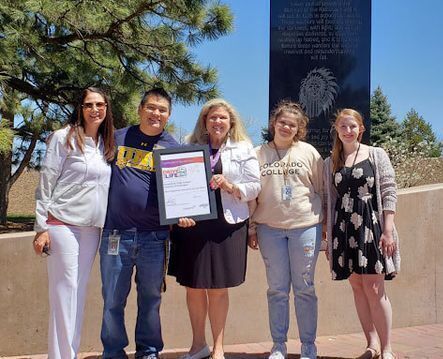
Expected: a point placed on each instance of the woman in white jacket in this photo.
(210, 257)
(71, 201)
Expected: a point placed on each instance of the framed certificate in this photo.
(183, 176)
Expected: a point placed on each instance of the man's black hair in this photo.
(157, 91)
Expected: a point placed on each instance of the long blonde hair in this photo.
(337, 147)
(236, 133)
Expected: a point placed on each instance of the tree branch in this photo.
(38, 93)
(26, 159)
(77, 35)
(126, 67)
(141, 9)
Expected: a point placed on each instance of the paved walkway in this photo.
(422, 342)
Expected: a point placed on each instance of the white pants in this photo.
(71, 257)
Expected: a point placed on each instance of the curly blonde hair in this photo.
(236, 133)
(288, 106)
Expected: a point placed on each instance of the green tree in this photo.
(6, 137)
(50, 50)
(265, 135)
(383, 124)
(415, 131)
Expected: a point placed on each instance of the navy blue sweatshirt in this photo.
(133, 192)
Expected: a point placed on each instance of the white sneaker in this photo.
(308, 351)
(278, 351)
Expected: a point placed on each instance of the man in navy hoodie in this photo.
(132, 236)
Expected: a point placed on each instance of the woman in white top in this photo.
(287, 216)
(210, 257)
(71, 201)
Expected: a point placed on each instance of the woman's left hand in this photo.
(41, 240)
(219, 181)
(253, 241)
(387, 244)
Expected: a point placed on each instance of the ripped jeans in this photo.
(290, 256)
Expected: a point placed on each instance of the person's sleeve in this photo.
(388, 187)
(317, 174)
(326, 184)
(250, 186)
(50, 171)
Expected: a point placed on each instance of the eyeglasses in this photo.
(89, 106)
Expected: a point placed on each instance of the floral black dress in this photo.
(356, 232)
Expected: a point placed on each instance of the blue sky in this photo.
(407, 61)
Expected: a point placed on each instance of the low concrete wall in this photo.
(416, 294)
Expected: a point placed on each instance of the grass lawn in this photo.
(17, 222)
(20, 218)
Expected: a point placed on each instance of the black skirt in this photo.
(201, 258)
(210, 255)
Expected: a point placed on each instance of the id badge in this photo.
(113, 243)
(286, 193)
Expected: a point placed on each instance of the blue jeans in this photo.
(146, 252)
(290, 256)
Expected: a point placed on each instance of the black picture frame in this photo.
(177, 158)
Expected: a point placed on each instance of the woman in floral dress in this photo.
(362, 240)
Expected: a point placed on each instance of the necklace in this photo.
(348, 200)
(355, 157)
(284, 165)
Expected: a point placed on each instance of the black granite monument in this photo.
(320, 57)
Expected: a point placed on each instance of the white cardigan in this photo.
(73, 186)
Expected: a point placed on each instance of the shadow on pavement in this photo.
(228, 355)
(266, 354)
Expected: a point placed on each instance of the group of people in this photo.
(98, 192)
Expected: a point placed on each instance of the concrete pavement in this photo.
(421, 342)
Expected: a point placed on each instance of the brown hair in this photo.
(289, 106)
(237, 131)
(106, 129)
(337, 147)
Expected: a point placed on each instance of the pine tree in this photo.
(383, 124)
(416, 131)
(51, 50)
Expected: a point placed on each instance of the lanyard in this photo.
(214, 158)
(285, 167)
(348, 177)
(356, 154)
(348, 202)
